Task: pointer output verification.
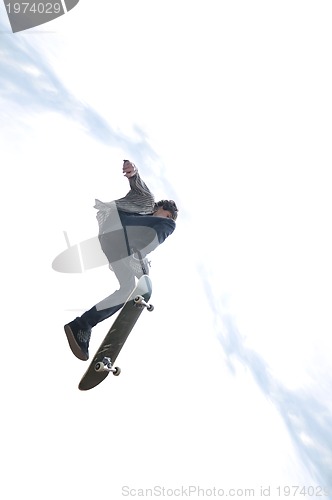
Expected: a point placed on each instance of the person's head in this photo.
(166, 208)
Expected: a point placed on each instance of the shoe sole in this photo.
(75, 348)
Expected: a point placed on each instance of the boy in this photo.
(134, 223)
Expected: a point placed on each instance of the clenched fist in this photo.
(129, 169)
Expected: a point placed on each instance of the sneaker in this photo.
(78, 340)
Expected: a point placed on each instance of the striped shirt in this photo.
(139, 200)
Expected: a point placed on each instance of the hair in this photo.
(169, 205)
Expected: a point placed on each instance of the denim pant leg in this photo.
(109, 306)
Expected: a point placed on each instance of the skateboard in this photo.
(103, 361)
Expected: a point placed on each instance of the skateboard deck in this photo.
(103, 361)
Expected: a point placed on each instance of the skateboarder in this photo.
(132, 225)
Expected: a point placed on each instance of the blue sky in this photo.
(227, 111)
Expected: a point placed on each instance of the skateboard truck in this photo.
(140, 302)
(105, 365)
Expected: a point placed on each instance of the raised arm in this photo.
(139, 198)
(129, 169)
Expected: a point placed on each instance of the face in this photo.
(160, 212)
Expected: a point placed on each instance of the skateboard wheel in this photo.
(117, 371)
(138, 299)
(98, 367)
(150, 307)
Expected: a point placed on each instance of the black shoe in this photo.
(78, 340)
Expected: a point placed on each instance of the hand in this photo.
(129, 169)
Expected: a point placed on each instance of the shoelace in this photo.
(83, 336)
